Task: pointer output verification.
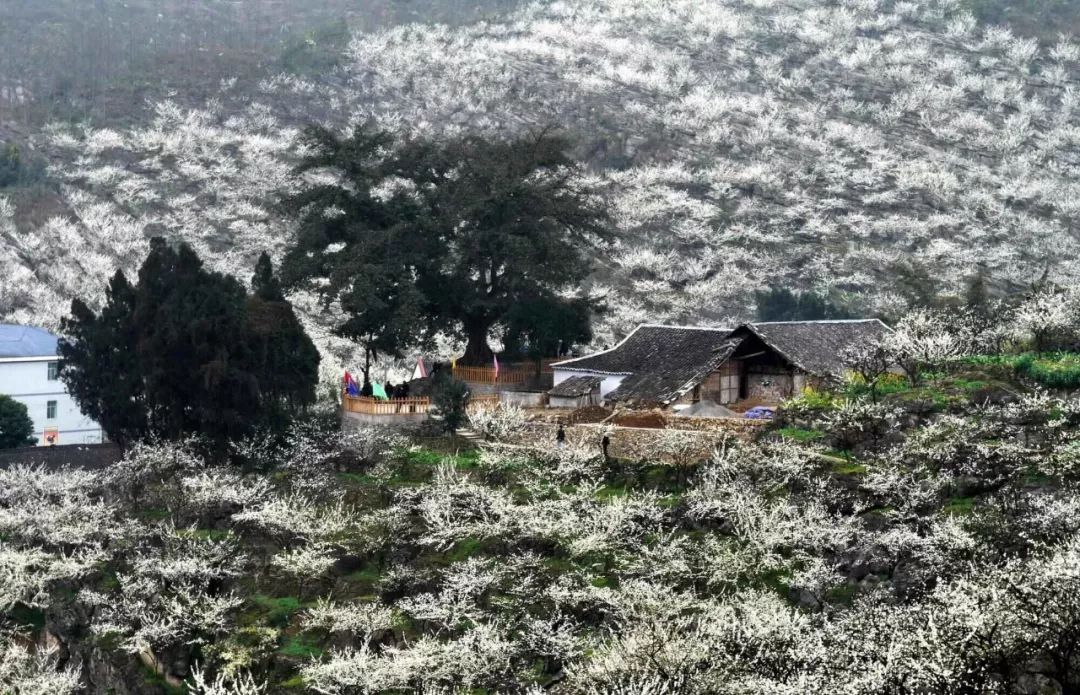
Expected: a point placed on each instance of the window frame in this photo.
(52, 409)
(53, 371)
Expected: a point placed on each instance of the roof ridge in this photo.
(685, 328)
(566, 363)
(776, 323)
(602, 352)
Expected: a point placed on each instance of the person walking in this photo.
(604, 444)
(560, 437)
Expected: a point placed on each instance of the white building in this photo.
(28, 373)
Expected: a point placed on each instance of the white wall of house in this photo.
(27, 380)
(610, 381)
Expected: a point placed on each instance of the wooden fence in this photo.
(395, 406)
(518, 373)
(407, 406)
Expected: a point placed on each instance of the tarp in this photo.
(760, 413)
(379, 391)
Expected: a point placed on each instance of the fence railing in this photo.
(510, 374)
(364, 405)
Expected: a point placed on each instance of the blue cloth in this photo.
(760, 413)
(352, 389)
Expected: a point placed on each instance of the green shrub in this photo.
(1061, 371)
(811, 401)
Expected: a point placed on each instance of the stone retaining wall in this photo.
(639, 443)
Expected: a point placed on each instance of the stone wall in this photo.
(769, 384)
(86, 456)
(738, 427)
(523, 399)
(640, 443)
(397, 420)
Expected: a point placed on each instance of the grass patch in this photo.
(611, 491)
(364, 581)
(1057, 370)
(800, 435)
(294, 683)
(300, 647)
(959, 506)
(153, 514)
(776, 580)
(206, 534)
(843, 594)
(849, 468)
(1033, 476)
(421, 457)
(275, 611)
(468, 547)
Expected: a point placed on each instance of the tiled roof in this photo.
(668, 379)
(814, 346)
(26, 341)
(658, 361)
(649, 345)
(575, 386)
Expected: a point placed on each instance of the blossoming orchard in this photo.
(736, 347)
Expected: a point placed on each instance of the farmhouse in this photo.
(29, 373)
(666, 366)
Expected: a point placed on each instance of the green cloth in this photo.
(378, 391)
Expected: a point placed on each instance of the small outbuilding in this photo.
(575, 392)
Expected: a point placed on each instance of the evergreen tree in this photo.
(781, 304)
(193, 347)
(187, 351)
(537, 328)
(285, 361)
(457, 233)
(99, 363)
(373, 278)
(16, 427)
(451, 398)
(506, 222)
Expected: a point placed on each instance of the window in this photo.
(54, 371)
(50, 410)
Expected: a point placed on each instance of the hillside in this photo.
(924, 542)
(876, 153)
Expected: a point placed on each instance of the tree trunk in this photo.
(477, 352)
